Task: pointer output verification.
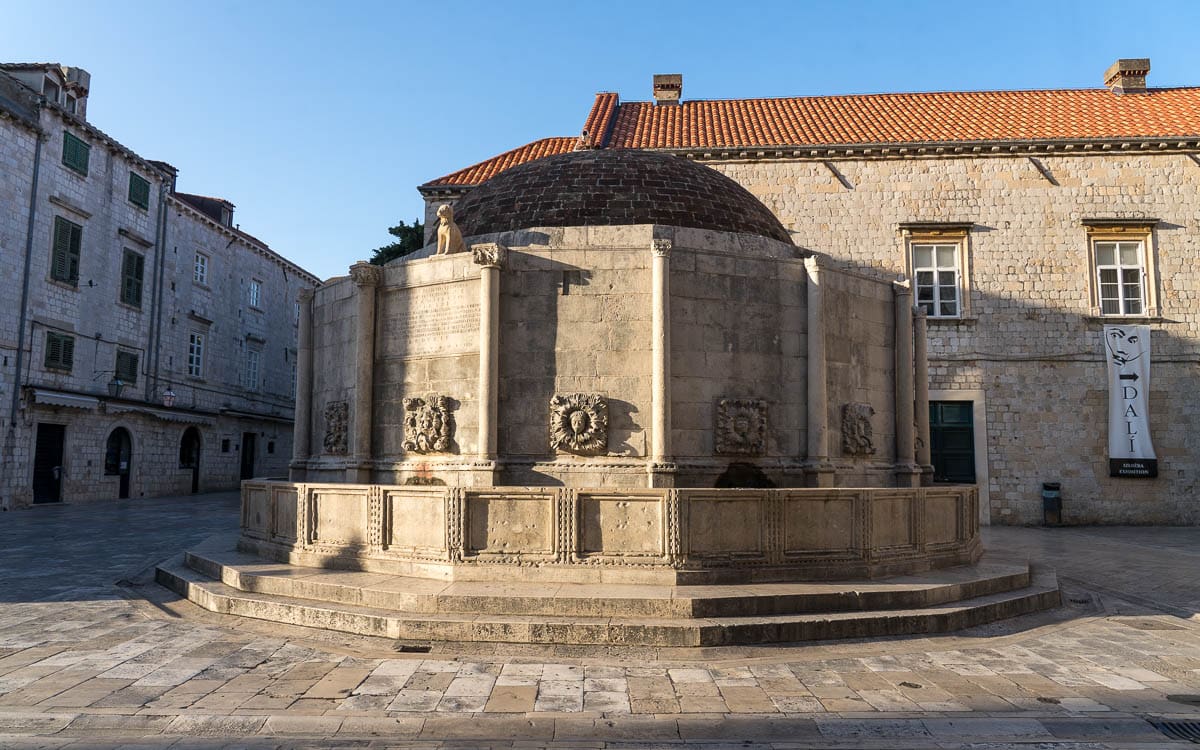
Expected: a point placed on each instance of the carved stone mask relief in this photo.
(741, 427)
(579, 422)
(858, 437)
(428, 424)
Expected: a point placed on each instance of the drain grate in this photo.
(1189, 731)
(1151, 625)
(408, 648)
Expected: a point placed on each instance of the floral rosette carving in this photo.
(579, 422)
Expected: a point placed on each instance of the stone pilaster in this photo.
(921, 356)
(302, 430)
(908, 474)
(661, 471)
(818, 470)
(491, 259)
(366, 278)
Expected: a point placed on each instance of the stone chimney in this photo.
(1127, 76)
(667, 88)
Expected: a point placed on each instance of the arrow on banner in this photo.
(1128, 376)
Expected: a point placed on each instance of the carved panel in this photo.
(579, 423)
(417, 523)
(508, 526)
(620, 525)
(858, 437)
(428, 424)
(337, 423)
(285, 503)
(741, 427)
(340, 518)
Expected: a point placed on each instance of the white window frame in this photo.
(200, 269)
(1143, 235)
(955, 236)
(255, 293)
(253, 368)
(195, 354)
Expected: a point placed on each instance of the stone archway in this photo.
(189, 455)
(118, 459)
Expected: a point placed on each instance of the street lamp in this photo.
(168, 397)
(114, 387)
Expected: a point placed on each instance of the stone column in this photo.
(819, 472)
(661, 470)
(366, 277)
(302, 428)
(907, 472)
(921, 355)
(490, 257)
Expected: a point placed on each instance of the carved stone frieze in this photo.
(858, 437)
(741, 427)
(579, 422)
(428, 424)
(661, 248)
(337, 421)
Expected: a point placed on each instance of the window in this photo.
(50, 90)
(224, 445)
(293, 381)
(1121, 261)
(255, 292)
(252, 359)
(132, 266)
(139, 190)
(75, 153)
(195, 358)
(64, 259)
(295, 313)
(1119, 277)
(200, 269)
(935, 273)
(60, 351)
(938, 267)
(271, 447)
(127, 367)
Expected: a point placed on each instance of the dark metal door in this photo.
(118, 459)
(47, 463)
(952, 441)
(248, 455)
(189, 455)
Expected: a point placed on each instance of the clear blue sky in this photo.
(319, 120)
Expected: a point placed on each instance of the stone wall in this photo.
(1030, 342)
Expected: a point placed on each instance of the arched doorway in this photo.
(189, 455)
(118, 459)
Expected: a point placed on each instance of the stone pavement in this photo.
(93, 654)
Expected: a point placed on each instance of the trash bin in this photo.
(1052, 503)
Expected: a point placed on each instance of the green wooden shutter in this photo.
(64, 260)
(74, 244)
(68, 351)
(132, 267)
(75, 153)
(139, 190)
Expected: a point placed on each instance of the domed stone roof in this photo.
(614, 188)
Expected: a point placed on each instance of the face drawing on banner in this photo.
(1120, 344)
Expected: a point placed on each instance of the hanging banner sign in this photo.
(1127, 351)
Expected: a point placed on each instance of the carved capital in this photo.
(661, 248)
(919, 312)
(366, 274)
(304, 296)
(489, 255)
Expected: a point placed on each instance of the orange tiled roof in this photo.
(872, 119)
(477, 173)
(1082, 114)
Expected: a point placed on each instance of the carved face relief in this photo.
(579, 423)
(857, 433)
(337, 418)
(428, 424)
(741, 427)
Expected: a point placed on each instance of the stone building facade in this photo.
(148, 346)
(1010, 212)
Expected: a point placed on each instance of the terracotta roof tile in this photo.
(940, 117)
(477, 173)
(970, 116)
(599, 121)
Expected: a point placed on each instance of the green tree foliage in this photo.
(409, 238)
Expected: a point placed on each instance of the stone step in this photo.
(1042, 593)
(219, 559)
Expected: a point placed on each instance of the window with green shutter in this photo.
(132, 266)
(64, 261)
(127, 367)
(60, 351)
(75, 153)
(139, 190)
